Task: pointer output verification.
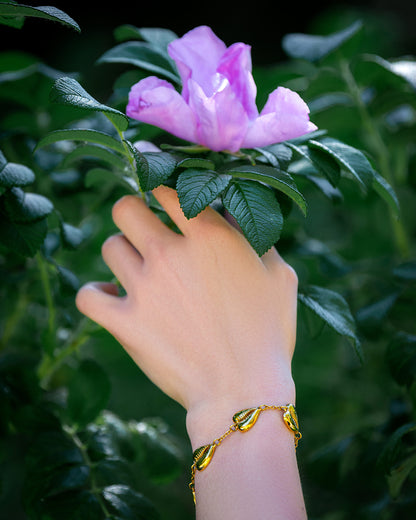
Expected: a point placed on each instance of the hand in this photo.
(209, 322)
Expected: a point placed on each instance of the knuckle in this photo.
(291, 275)
(123, 206)
(109, 244)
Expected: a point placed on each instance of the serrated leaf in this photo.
(198, 188)
(128, 504)
(257, 212)
(92, 381)
(47, 12)
(153, 168)
(142, 55)
(274, 177)
(25, 207)
(15, 175)
(331, 307)
(84, 135)
(67, 91)
(315, 47)
(349, 158)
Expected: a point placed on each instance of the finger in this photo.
(168, 199)
(100, 302)
(122, 258)
(142, 228)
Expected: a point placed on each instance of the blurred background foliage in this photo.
(83, 433)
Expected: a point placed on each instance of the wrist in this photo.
(207, 419)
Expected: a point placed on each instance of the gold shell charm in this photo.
(203, 455)
(291, 420)
(247, 418)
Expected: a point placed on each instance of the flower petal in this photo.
(222, 121)
(156, 102)
(197, 55)
(236, 66)
(285, 116)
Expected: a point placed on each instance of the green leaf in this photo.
(84, 135)
(257, 212)
(12, 174)
(157, 452)
(196, 162)
(321, 162)
(71, 236)
(68, 91)
(395, 461)
(349, 158)
(333, 309)
(153, 168)
(384, 189)
(198, 188)
(142, 55)
(49, 13)
(89, 380)
(313, 47)
(399, 475)
(406, 271)
(305, 168)
(68, 279)
(158, 37)
(100, 177)
(278, 155)
(25, 207)
(128, 504)
(22, 238)
(401, 359)
(274, 177)
(90, 151)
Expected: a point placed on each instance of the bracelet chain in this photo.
(242, 421)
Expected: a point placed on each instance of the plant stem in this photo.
(51, 363)
(95, 489)
(47, 289)
(381, 153)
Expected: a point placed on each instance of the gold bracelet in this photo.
(242, 421)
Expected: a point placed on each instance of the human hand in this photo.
(209, 322)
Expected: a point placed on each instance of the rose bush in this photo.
(217, 106)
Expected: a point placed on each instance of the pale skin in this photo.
(214, 327)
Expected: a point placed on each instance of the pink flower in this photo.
(217, 106)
